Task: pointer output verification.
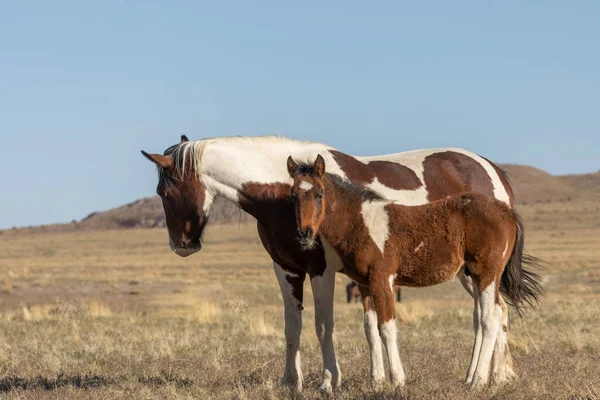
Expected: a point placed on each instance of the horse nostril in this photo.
(183, 244)
(309, 232)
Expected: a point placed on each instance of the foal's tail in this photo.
(520, 286)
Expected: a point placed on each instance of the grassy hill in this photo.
(531, 185)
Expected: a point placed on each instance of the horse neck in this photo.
(341, 227)
(230, 166)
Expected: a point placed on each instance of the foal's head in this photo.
(183, 198)
(308, 198)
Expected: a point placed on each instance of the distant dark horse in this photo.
(352, 292)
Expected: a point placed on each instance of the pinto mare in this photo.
(383, 244)
(251, 173)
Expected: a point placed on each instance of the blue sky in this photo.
(84, 86)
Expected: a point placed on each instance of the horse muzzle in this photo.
(307, 239)
(185, 249)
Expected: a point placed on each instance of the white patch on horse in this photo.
(372, 333)
(388, 335)
(293, 327)
(419, 247)
(414, 160)
(306, 186)
(291, 274)
(323, 289)
(332, 259)
(376, 220)
(490, 321)
(505, 249)
(391, 280)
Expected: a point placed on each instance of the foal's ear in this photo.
(159, 159)
(184, 139)
(291, 166)
(319, 166)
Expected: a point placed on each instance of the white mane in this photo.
(194, 150)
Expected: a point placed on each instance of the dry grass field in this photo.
(116, 315)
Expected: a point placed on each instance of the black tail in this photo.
(519, 286)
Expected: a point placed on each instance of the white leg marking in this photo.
(468, 284)
(292, 375)
(502, 370)
(372, 333)
(323, 288)
(391, 280)
(490, 317)
(388, 335)
(376, 220)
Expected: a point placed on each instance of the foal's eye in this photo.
(293, 195)
(319, 195)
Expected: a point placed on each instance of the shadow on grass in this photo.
(84, 381)
(166, 378)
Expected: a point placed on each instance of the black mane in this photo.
(355, 189)
(307, 168)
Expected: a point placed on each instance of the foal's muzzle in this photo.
(306, 238)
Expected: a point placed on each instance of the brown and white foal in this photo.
(383, 244)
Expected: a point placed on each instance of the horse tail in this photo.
(519, 285)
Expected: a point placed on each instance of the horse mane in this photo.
(361, 191)
(308, 168)
(192, 152)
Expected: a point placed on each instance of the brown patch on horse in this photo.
(395, 176)
(391, 174)
(276, 221)
(444, 174)
(426, 245)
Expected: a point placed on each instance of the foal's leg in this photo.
(502, 361)
(323, 287)
(372, 333)
(473, 290)
(502, 370)
(491, 318)
(291, 285)
(383, 298)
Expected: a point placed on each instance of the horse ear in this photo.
(319, 166)
(291, 166)
(184, 139)
(159, 159)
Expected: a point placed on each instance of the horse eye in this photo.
(293, 195)
(319, 195)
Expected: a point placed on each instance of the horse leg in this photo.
(467, 283)
(502, 361)
(383, 298)
(490, 317)
(323, 287)
(372, 333)
(291, 285)
(502, 367)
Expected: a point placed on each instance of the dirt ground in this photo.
(116, 314)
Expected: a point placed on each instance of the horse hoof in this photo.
(478, 383)
(292, 382)
(325, 388)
